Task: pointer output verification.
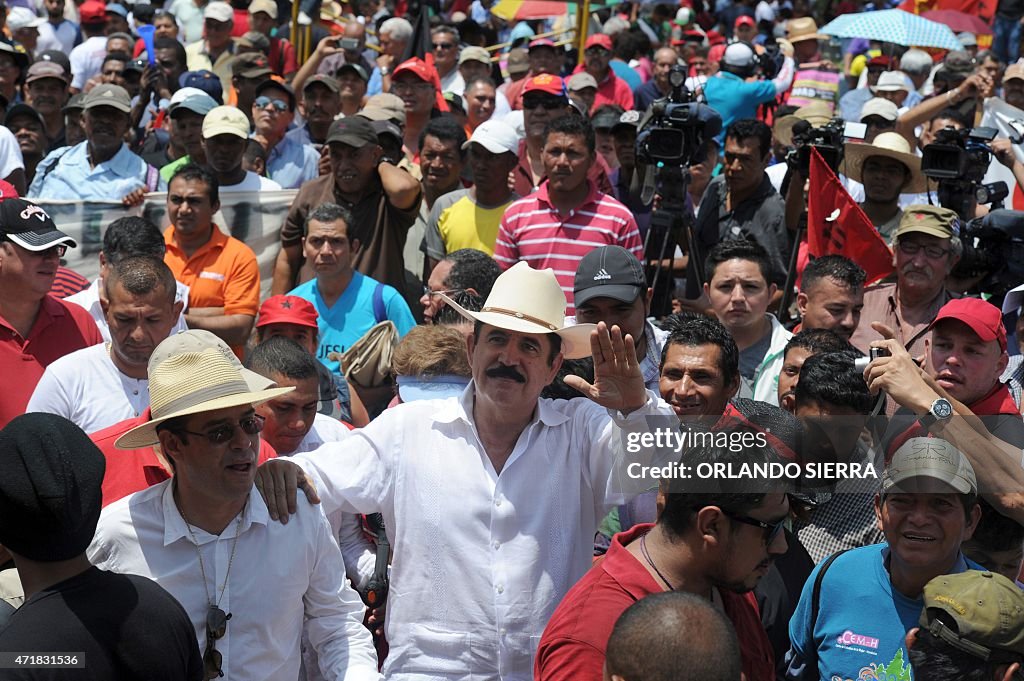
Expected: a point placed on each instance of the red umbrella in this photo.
(959, 21)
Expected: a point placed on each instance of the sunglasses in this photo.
(216, 627)
(250, 425)
(279, 104)
(549, 103)
(443, 46)
(771, 530)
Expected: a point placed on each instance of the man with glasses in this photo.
(289, 162)
(215, 50)
(543, 57)
(347, 302)
(466, 271)
(545, 99)
(597, 58)
(926, 247)
(855, 610)
(445, 42)
(416, 83)
(715, 545)
(250, 586)
(36, 329)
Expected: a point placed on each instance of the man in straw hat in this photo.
(249, 585)
(493, 497)
(972, 626)
(869, 597)
(886, 168)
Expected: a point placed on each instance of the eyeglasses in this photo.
(216, 627)
(250, 425)
(912, 248)
(279, 104)
(771, 530)
(443, 46)
(548, 103)
(400, 87)
(449, 292)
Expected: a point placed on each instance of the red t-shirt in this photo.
(60, 328)
(573, 645)
(133, 470)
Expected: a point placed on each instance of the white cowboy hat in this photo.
(192, 383)
(526, 300)
(890, 145)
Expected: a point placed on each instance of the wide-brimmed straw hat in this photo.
(804, 28)
(526, 300)
(192, 383)
(890, 145)
(816, 113)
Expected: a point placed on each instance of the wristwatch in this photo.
(941, 410)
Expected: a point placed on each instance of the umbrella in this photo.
(959, 21)
(893, 26)
(511, 10)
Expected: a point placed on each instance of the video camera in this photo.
(674, 130)
(993, 252)
(829, 140)
(959, 160)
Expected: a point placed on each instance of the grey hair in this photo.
(916, 62)
(396, 27)
(450, 30)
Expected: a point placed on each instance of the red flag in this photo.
(837, 225)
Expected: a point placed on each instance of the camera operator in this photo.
(733, 96)
(995, 457)
(926, 247)
(886, 168)
(977, 86)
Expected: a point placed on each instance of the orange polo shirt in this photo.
(222, 273)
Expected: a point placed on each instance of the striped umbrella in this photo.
(893, 26)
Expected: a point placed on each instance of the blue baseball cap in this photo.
(207, 81)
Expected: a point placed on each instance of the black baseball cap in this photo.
(29, 226)
(355, 131)
(356, 69)
(609, 272)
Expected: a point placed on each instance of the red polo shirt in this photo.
(611, 90)
(60, 328)
(573, 645)
(133, 470)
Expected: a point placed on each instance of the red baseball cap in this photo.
(598, 40)
(92, 12)
(744, 20)
(881, 60)
(7, 191)
(545, 82)
(542, 42)
(984, 318)
(426, 72)
(287, 310)
(715, 38)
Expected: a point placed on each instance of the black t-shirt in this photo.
(128, 628)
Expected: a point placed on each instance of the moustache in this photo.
(502, 371)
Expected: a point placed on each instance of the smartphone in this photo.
(349, 44)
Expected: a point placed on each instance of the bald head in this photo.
(354, 29)
(666, 53)
(672, 636)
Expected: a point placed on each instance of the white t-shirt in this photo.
(87, 389)
(90, 300)
(87, 59)
(10, 153)
(252, 183)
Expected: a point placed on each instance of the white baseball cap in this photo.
(22, 17)
(496, 137)
(891, 81)
(219, 11)
(880, 107)
(739, 55)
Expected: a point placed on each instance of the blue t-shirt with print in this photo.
(862, 621)
(352, 315)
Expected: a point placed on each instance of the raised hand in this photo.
(618, 382)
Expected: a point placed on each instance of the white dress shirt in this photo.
(481, 559)
(90, 300)
(280, 576)
(87, 389)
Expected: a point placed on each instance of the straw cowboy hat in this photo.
(526, 300)
(804, 28)
(890, 145)
(192, 383)
(816, 113)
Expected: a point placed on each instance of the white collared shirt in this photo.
(481, 559)
(86, 388)
(280, 576)
(90, 300)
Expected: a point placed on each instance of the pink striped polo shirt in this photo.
(533, 230)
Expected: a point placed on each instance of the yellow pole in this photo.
(549, 34)
(582, 24)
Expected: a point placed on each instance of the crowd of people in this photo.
(409, 449)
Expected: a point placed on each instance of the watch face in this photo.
(942, 409)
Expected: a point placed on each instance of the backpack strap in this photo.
(380, 312)
(812, 650)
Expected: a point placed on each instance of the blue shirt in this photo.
(352, 315)
(862, 620)
(734, 98)
(291, 163)
(72, 179)
(623, 71)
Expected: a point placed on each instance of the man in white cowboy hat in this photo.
(249, 585)
(886, 168)
(492, 498)
(894, 86)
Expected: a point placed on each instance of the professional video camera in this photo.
(959, 160)
(829, 140)
(993, 253)
(670, 138)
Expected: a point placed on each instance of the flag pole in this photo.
(582, 23)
